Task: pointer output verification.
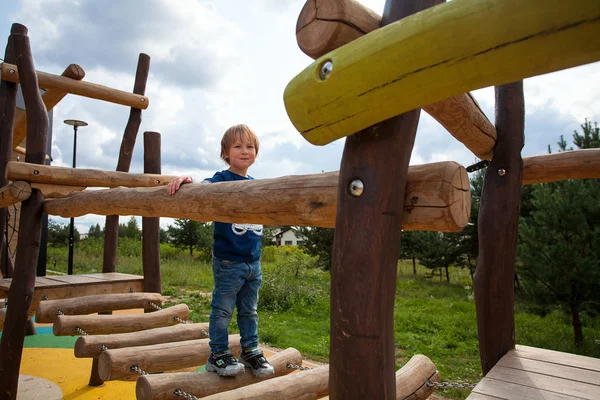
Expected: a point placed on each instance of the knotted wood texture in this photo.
(437, 198)
(325, 25)
(14, 192)
(451, 49)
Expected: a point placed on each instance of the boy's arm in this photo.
(176, 183)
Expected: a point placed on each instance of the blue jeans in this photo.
(236, 285)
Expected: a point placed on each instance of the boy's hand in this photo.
(176, 183)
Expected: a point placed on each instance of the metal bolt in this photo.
(12, 71)
(356, 187)
(326, 69)
(157, 181)
(501, 172)
(142, 99)
(36, 172)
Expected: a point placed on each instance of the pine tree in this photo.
(189, 234)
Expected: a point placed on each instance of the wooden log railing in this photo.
(36, 173)
(325, 25)
(51, 97)
(576, 164)
(109, 324)
(162, 386)
(46, 311)
(437, 198)
(89, 346)
(64, 84)
(116, 363)
(437, 54)
(14, 192)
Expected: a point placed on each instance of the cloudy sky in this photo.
(223, 62)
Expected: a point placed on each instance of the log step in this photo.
(47, 309)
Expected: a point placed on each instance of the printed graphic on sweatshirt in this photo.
(241, 229)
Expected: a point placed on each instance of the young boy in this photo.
(236, 267)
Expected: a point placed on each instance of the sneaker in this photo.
(224, 364)
(257, 362)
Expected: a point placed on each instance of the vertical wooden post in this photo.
(151, 225)
(111, 226)
(8, 96)
(498, 222)
(20, 294)
(365, 249)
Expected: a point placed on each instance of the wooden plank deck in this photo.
(532, 373)
(67, 286)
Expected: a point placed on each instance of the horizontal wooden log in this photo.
(23, 150)
(163, 386)
(89, 346)
(325, 25)
(67, 85)
(439, 53)
(47, 310)
(311, 384)
(51, 97)
(576, 164)
(437, 198)
(116, 364)
(56, 191)
(81, 176)
(14, 193)
(109, 324)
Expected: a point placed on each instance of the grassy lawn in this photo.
(432, 317)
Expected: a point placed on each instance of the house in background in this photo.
(288, 236)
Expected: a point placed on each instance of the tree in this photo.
(441, 250)
(412, 245)
(189, 234)
(130, 230)
(95, 232)
(559, 249)
(319, 242)
(58, 234)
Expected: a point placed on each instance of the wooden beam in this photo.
(36, 173)
(8, 99)
(23, 150)
(111, 224)
(51, 97)
(437, 198)
(151, 225)
(456, 47)
(56, 191)
(325, 25)
(576, 164)
(14, 193)
(89, 346)
(200, 385)
(498, 223)
(86, 89)
(115, 364)
(109, 324)
(47, 310)
(20, 295)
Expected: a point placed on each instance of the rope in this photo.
(181, 393)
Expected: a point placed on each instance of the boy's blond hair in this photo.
(237, 133)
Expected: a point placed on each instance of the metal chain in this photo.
(80, 331)
(135, 368)
(299, 367)
(58, 312)
(450, 385)
(176, 318)
(181, 393)
(103, 347)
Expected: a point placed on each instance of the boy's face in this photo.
(241, 155)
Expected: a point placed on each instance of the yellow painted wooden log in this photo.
(63, 84)
(438, 53)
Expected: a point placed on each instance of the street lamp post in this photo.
(75, 124)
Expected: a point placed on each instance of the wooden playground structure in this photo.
(371, 76)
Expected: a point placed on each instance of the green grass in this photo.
(431, 317)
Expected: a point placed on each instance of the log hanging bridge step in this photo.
(48, 310)
(435, 54)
